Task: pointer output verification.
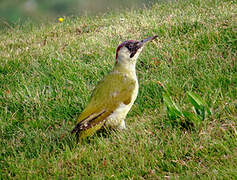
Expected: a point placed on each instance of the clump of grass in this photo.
(186, 118)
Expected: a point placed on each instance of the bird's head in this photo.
(128, 51)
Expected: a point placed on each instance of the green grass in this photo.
(47, 73)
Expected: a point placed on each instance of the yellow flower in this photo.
(60, 20)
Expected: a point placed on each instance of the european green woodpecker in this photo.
(115, 94)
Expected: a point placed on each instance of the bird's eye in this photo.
(130, 47)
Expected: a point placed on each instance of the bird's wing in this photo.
(115, 89)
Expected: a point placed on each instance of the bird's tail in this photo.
(90, 125)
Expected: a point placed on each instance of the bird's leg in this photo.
(122, 126)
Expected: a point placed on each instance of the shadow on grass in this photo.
(72, 141)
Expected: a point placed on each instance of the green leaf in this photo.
(208, 110)
(191, 117)
(196, 100)
(199, 104)
(172, 109)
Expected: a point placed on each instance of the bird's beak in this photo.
(142, 42)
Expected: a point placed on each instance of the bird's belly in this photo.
(116, 118)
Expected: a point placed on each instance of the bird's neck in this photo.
(126, 68)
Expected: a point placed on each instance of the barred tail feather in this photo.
(90, 124)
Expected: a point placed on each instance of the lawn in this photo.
(48, 71)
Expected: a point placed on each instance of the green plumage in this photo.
(116, 88)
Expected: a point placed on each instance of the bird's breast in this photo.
(120, 113)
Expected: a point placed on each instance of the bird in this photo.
(114, 95)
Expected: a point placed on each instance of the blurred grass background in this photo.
(18, 11)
